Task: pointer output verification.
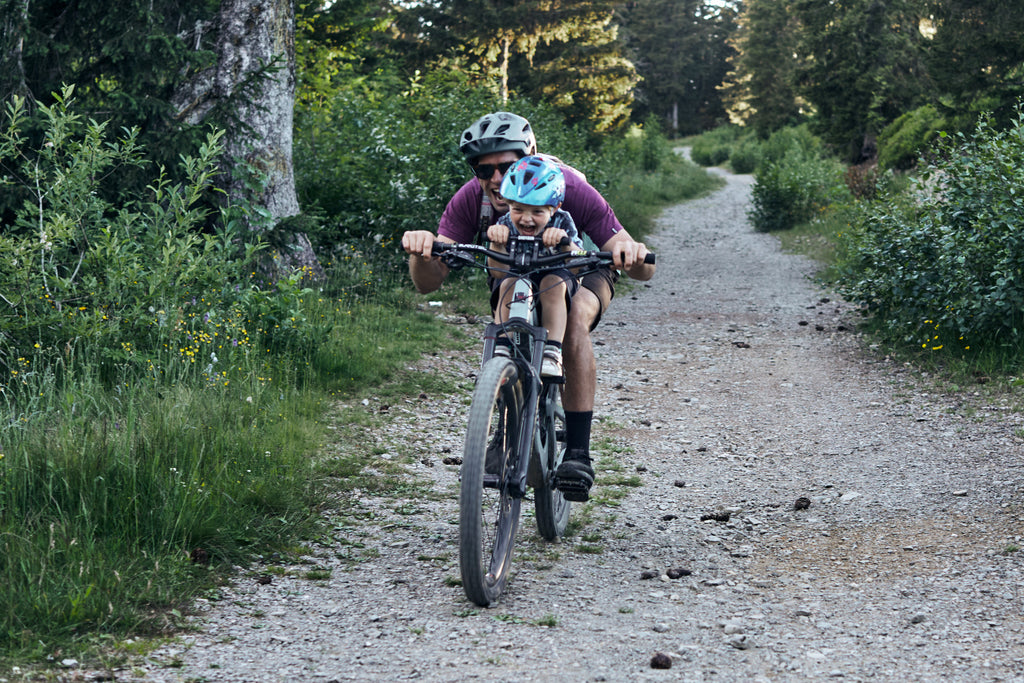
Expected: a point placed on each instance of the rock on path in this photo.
(729, 388)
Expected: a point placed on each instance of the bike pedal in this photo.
(573, 490)
(490, 481)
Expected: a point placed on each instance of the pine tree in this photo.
(681, 52)
(527, 46)
(760, 90)
(860, 67)
(976, 57)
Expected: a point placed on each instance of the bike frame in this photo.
(521, 327)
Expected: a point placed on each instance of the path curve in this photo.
(730, 386)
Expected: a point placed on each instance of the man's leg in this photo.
(575, 475)
(580, 366)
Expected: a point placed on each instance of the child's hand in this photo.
(552, 236)
(497, 234)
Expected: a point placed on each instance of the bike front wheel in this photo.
(489, 515)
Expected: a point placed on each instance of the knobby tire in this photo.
(489, 517)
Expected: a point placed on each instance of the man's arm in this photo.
(629, 256)
(426, 270)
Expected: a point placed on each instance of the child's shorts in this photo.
(572, 286)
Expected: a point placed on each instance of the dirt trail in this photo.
(729, 386)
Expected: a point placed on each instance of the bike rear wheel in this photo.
(489, 517)
(552, 508)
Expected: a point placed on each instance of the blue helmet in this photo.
(534, 181)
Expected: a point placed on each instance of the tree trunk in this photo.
(13, 26)
(503, 67)
(255, 78)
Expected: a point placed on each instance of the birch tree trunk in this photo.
(254, 79)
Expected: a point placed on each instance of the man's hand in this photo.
(629, 256)
(419, 243)
(426, 270)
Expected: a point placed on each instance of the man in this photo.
(491, 145)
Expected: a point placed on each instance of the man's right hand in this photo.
(419, 243)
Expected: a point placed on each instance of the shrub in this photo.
(902, 141)
(794, 181)
(152, 282)
(714, 147)
(746, 156)
(944, 264)
(785, 141)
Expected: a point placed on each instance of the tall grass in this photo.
(116, 500)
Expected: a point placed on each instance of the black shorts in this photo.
(602, 284)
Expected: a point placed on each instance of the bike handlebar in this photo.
(524, 255)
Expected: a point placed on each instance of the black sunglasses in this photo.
(486, 171)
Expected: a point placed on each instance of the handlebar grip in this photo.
(649, 259)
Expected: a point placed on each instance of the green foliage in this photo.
(158, 404)
(976, 60)
(715, 147)
(860, 68)
(746, 155)
(568, 55)
(943, 265)
(379, 167)
(795, 182)
(139, 279)
(901, 143)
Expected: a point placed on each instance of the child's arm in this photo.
(497, 235)
(552, 236)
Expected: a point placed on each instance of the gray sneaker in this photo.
(552, 365)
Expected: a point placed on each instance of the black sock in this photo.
(577, 430)
(554, 344)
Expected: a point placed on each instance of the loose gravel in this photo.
(775, 502)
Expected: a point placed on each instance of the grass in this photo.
(120, 502)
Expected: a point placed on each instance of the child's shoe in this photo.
(552, 365)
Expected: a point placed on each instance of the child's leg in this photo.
(504, 299)
(554, 312)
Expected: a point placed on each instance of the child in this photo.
(534, 189)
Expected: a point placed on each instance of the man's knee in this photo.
(585, 309)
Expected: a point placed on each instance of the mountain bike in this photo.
(515, 438)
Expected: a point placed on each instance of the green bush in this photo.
(714, 147)
(795, 183)
(377, 167)
(943, 265)
(901, 143)
(789, 140)
(746, 156)
(153, 282)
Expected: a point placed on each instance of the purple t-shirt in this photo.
(589, 210)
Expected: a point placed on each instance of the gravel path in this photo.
(729, 389)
